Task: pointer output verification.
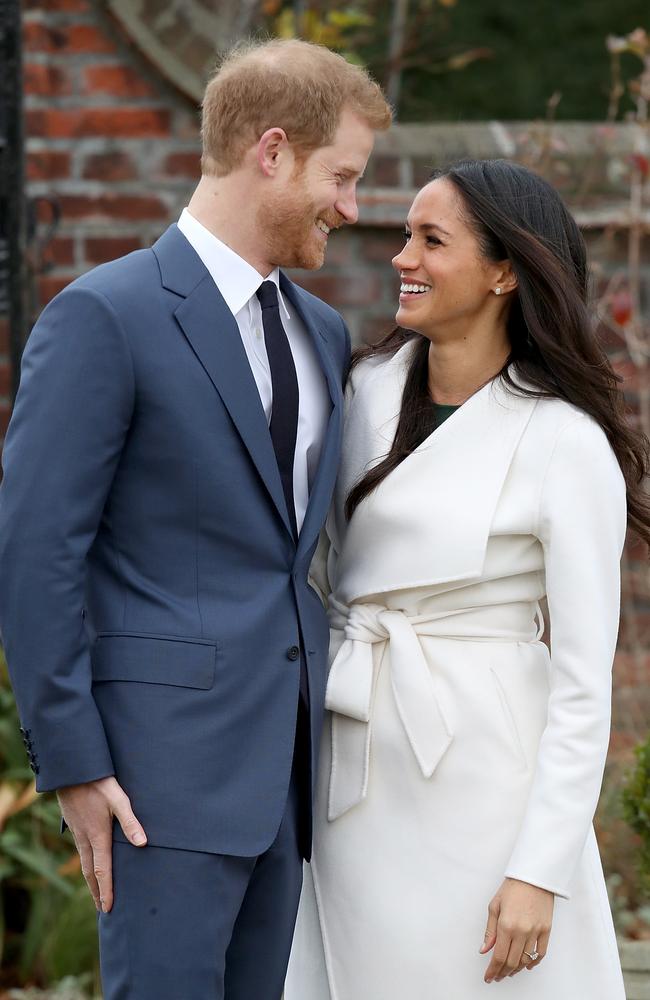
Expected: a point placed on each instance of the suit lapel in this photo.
(321, 491)
(213, 335)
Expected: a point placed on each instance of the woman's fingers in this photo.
(525, 959)
(491, 928)
(542, 948)
(499, 967)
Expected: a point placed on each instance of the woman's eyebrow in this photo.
(424, 226)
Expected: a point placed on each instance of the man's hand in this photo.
(519, 921)
(88, 810)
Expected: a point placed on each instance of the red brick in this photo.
(38, 37)
(56, 123)
(70, 38)
(339, 250)
(5, 379)
(42, 80)
(98, 250)
(355, 289)
(119, 81)
(382, 247)
(4, 335)
(375, 328)
(183, 165)
(631, 669)
(64, 6)
(47, 164)
(51, 285)
(59, 252)
(114, 166)
(422, 169)
(385, 171)
(112, 206)
(5, 414)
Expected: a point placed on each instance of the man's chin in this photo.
(305, 260)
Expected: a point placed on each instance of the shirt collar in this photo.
(236, 279)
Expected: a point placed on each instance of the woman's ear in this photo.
(504, 278)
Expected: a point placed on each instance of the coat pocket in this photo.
(154, 659)
(515, 738)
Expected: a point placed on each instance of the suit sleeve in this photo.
(582, 524)
(63, 445)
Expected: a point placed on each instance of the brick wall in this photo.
(117, 149)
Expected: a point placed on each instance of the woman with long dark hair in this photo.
(487, 465)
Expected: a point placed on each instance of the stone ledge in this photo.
(388, 207)
(635, 959)
(589, 163)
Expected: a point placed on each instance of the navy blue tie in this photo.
(284, 383)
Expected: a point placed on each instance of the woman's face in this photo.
(446, 283)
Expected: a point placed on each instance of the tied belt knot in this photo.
(350, 683)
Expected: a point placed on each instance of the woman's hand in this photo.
(519, 921)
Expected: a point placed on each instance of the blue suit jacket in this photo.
(152, 597)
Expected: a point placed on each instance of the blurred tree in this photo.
(513, 56)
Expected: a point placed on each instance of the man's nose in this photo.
(347, 207)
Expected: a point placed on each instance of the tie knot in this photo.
(267, 293)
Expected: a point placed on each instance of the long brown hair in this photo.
(518, 216)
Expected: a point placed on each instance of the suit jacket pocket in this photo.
(154, 659)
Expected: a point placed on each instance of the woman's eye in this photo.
(434, 241)
(406, 234)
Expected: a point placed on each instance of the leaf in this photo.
(464, 59)
(8, 796)
(37, 861)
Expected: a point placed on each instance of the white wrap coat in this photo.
(458, 751)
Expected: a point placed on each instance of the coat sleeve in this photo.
(581, 525)
(64, 441)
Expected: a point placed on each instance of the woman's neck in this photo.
(457, 370)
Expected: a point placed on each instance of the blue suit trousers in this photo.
(190, 925)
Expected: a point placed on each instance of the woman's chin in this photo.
(407, 318)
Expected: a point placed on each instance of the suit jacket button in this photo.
(293, 653)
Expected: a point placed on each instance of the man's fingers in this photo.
(128, 821)
(103, 872)
(87, 869)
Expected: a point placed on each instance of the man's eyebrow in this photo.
(351, 171)
(425, 226)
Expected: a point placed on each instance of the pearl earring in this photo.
(497, 291)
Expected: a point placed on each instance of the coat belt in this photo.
(350, 684)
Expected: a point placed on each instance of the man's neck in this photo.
(217, 203)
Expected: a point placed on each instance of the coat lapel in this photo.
(321, 491)
(429, 521)
(212, 332)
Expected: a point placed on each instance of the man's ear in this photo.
(272, 148)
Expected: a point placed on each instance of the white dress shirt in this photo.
(238, 283)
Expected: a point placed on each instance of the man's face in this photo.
(319, 196)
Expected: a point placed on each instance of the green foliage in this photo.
(474, 60)
(47, 919)
(636, 808)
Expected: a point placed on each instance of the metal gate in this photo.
(13, 292)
